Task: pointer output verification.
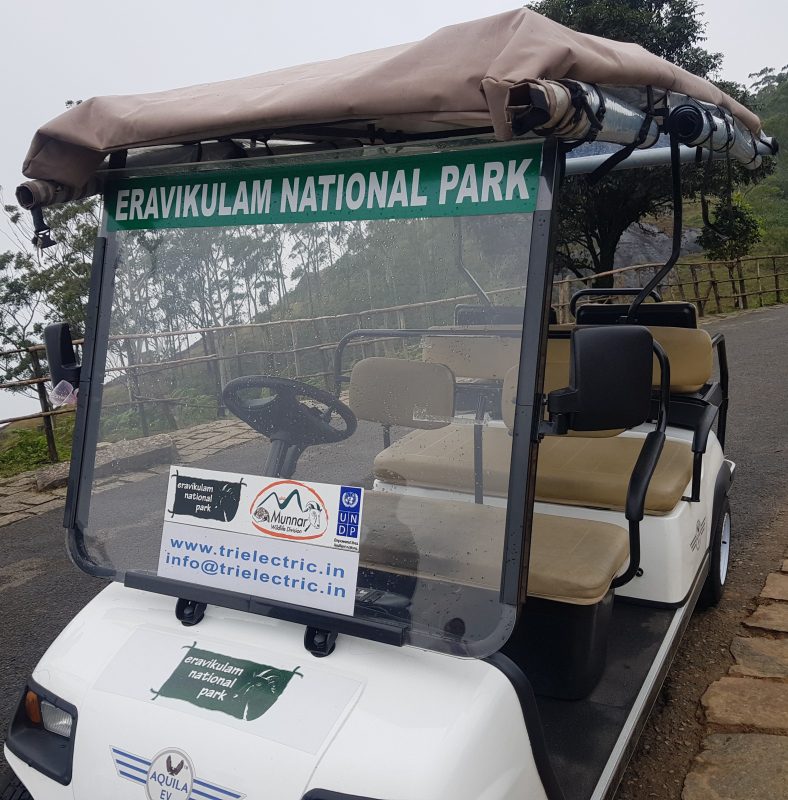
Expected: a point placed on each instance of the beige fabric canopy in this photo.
(459, 77)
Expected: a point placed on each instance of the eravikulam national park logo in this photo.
(289, 510)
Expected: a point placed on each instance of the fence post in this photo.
(715, 288)
(760, 283)
(43, 400)
(696, 288)
(778, 296)
(742, 285)
(563, 301)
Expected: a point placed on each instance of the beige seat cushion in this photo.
(596, 472)
(443, 459)
(572, 561)
(570, 471)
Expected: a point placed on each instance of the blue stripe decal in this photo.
(203, 794)
(129, 755)
(131, 777)
(130, 766)
(217, 788)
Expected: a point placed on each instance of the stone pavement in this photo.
(20, 499)
(745, 754)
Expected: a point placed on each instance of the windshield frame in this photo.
(519, 509)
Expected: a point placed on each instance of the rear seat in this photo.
(577, 471)
(572, 470)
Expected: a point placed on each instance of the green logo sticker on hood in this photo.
(243, 689)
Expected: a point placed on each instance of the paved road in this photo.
(40, 590)
(758, 443)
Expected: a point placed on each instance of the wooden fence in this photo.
(303, 348)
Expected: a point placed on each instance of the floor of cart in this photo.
(582, 734)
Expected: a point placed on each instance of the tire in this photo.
(714, 587)
(12, 789)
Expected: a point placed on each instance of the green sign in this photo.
(242, 689)
(490, 180)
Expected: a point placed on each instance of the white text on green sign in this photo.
(484, 181)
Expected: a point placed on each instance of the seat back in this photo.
(689, 351)
(480, 357)
(394, 391)
(691, 356)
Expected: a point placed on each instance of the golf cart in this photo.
(414, 537)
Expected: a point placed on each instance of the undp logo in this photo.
(349, 512)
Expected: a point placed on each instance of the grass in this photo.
(23, 445)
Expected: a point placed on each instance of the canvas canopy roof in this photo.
(462, 77)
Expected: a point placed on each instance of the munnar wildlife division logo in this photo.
(289, 510)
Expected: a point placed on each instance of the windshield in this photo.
(305, 397)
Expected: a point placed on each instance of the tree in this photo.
(38, 287)
(594, 217)
(769, 199)
(735, 231)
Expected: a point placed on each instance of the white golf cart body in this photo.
(510, 533)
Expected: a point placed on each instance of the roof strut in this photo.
(659, 275)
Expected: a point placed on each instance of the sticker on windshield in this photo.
(321, 513)
(279, 539)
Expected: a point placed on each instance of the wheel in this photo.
(714, 586)
(12, 789)
(285, 414)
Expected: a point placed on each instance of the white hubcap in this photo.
(725, 547)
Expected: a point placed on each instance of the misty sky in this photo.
(54, 51)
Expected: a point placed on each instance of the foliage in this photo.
(769, 199)
(734, 232)
(23, 449)
(671, 29)
(37, 288)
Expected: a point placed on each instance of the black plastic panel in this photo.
(49, 753)
(669, 315)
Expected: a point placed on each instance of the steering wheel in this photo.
(284, 416)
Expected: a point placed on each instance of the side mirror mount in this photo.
(610, 377)
(61, 357)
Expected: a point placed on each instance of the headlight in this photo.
(56, 720)
(42, 732)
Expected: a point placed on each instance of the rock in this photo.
(130, 455)
(776, 587)
(773, 617)
(8, 519)
(748, 702)
(740, 766)
(8, 505)
(784, 567)
(31, 498)
(760, 658)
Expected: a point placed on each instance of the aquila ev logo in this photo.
(170, 775)
(289, 510)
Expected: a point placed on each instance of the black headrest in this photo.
(669, 315)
